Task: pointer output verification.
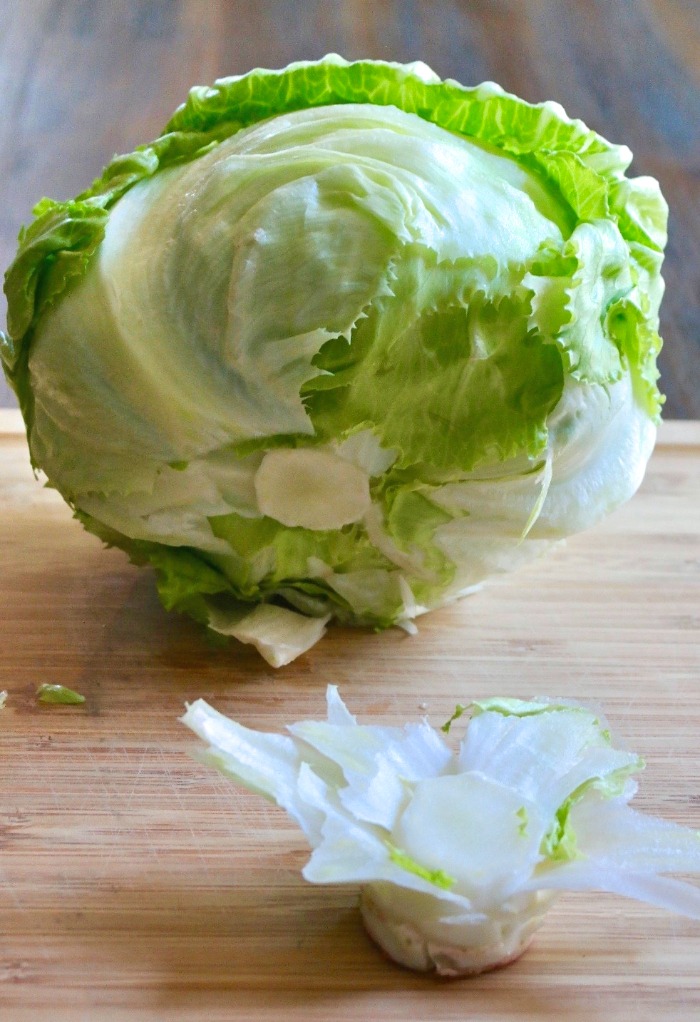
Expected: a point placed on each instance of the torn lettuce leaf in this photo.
(279, 635)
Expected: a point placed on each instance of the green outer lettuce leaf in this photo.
(409, 387)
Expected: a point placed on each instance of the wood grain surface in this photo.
(83, 79)
(137, 884)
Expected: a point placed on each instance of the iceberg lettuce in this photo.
(344, 341)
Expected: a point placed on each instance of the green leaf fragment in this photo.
(520, 707)
(459, 710)
(523, 817)
(434, 876)
(559, 843)
(48, 693)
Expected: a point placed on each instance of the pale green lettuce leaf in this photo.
(279, 635)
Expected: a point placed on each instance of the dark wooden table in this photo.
(83, 79)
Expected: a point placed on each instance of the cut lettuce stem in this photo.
(458, 853)
(396, 921)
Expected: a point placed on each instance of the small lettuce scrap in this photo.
(59, 694)
(459, 853)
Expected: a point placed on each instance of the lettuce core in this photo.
(458, 853)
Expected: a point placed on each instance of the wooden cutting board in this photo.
(136, 884)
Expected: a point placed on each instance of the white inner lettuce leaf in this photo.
(279, 635)
(471, 827)
(600, 441)
(364, 450)
(176, 510)
(311, 487)
(368, 592)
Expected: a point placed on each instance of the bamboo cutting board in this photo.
(136, 884)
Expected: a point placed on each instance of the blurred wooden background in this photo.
(83, 79)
